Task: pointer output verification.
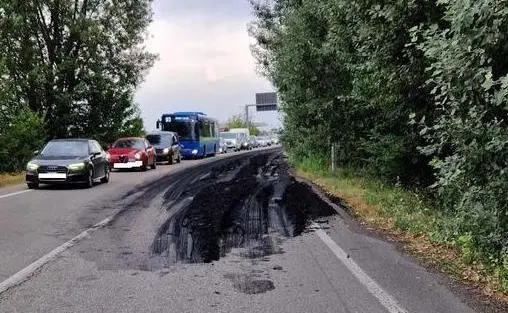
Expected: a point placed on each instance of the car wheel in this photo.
(89, 183)
(32, 185)
(170, 161)
(105, 179)
(154, 164)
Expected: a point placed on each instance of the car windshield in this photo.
(65, 148)
(159, 140)
(228, 135)
(129, 143)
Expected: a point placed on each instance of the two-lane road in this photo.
(229, 234)
(34, 222)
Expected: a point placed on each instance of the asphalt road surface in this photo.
(235, 233)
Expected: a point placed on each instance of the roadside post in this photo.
(333, 158)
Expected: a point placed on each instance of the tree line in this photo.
(69, 68)
(238, 121)
(413, 92)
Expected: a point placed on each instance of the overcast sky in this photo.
(205, 62)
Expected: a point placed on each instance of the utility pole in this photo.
(247, 116)
(247, 106)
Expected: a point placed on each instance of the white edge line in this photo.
(28, 271)
(14, 193)
(377, 291)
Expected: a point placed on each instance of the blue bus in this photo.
(199, 134)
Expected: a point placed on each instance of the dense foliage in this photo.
(20, 136)
(414, 92)
(72, 65)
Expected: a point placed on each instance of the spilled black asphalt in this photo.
(239, 205)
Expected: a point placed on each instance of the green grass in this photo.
(406, 209)
(411, 218)
(7, 179)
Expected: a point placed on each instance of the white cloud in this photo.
(204, 64)
(199, 48)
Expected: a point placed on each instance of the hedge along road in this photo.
(233, 235)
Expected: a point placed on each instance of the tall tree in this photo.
(76, 62)
(366, 73)
(347, 76)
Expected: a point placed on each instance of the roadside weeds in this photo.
(404, 217)
(7, 179)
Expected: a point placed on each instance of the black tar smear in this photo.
(243, 212)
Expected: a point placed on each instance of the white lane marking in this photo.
(384, 298)
(28, 271)
(14, 193)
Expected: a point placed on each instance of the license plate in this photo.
(122, 165)
(52, 176)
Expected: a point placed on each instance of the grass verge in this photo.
(7, 179)
(410, 219)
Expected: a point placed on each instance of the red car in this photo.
(129, 153)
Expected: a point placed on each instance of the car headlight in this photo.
(165, 151)
(32, 167)
(194, 151)
(137, 156)
(76, 166)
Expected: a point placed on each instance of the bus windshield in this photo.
(184, 129)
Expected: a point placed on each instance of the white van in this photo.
(244, 136)
(232, 140)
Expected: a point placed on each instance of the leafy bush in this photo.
(469, 138)
(20, 136)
